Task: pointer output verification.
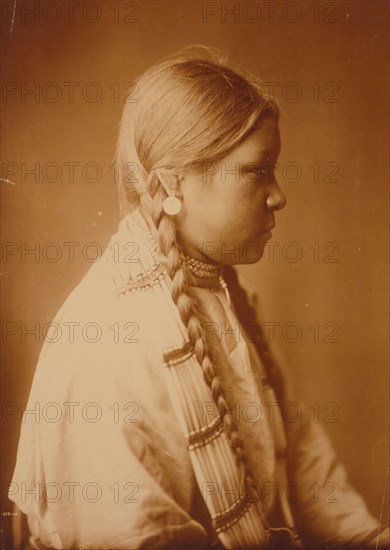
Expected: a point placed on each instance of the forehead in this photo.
(263, 142)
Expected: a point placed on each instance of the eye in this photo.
(263, 172)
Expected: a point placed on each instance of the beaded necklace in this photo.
(205, 270)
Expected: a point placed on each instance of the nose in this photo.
(276, 199)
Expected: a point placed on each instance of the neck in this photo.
(202, 274)
(192, 251)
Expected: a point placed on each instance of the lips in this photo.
(270, 227)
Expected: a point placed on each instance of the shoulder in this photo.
(108, 328)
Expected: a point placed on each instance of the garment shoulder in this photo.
(98, 338)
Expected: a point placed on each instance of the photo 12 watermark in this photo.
(22, 12)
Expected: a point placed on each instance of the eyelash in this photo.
(262, 170)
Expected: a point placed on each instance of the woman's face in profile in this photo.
(228, 207)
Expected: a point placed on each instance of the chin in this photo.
(248, 251)
(251, 252)
(248, 261)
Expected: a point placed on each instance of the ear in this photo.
(168, 180)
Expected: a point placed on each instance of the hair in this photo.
(189, 109)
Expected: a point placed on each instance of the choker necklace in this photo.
(204, 270)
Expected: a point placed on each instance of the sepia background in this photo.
(326, 282)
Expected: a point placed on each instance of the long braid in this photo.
(165, 233)
(246, 314)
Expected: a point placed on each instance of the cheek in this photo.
(247, 213)
(237, 224)
(223, 211)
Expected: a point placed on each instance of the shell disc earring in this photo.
(171, 205)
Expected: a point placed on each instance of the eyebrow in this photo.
(267, 153)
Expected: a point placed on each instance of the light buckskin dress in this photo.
(104, 461)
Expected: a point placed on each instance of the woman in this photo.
(141, 441)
